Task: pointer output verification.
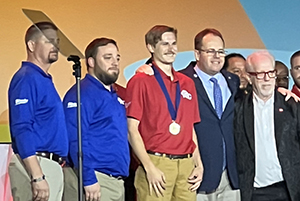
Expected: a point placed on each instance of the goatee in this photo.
(107, 78)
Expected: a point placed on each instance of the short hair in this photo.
(199, 37)
(37, 29)
(280, 62)
(229, 56)
(249, 61)
(92, 48)
(296, 54)
(154, 34)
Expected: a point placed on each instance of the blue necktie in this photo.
(219, 110)
(217, 97)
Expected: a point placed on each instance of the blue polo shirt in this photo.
(36, 117)
(104, 130)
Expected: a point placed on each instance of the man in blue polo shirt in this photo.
(37, 121)
(104, 124)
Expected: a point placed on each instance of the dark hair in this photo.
(229, 56)
(296, 54)
(201, 34)
(92, 49)
(37, 29)
(154, 34)
(279, 62)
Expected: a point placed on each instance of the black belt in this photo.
(52, 156)
(170, 156)
(110, 175)
(207, 192)
(117, 177)
(276, 185)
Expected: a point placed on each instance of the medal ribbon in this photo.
(172, 109)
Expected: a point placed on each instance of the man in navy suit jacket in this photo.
(215, 133)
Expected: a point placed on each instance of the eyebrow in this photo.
(110, 54)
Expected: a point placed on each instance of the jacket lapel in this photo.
(233, 89)
(279, 118)
(249, 120)
(201, 93)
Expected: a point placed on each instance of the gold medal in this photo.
(174, 128)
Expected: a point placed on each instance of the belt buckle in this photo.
(62, 163)
(158, 154)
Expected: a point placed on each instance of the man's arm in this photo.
(40, 188)
(90, 182)
(155, 177)
(196, 176)
(288, 94)
(22, 103)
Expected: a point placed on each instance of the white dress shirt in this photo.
(267, 166)
(209, 86)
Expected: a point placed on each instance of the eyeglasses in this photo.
(282, 78)
(212, 52)
(262, 75)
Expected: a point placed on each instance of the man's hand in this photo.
(92, 192)
(146, 68)
(288, 94)
(195, 178)
(40, 190)
(156, 180)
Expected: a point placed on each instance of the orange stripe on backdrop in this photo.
(125, 21)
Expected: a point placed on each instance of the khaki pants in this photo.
(20, 179)
(70, 185)
(224, 192)
(111, 189)
(176, 172)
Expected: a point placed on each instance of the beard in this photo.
(53, 56)
(105, 77)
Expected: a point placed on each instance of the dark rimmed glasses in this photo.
(212, 52)
(262, 75)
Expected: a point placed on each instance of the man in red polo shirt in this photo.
(162, 111)
(295, 72)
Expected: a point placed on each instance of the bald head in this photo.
(261, 68)
(257, 58)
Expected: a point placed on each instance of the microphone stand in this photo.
(77, 74)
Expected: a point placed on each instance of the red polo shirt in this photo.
(296, 90)
(145, 101)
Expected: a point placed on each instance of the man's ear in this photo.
(150, 48)
(249, 79)
(91, 62)
(197, 55)
(31, 45)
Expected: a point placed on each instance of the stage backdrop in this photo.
(245, 25)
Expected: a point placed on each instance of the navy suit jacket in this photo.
(210, 131)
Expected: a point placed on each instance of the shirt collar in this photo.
(98, 83)
(37, 68)
(164, 76)
(205, 77)
(261, 102)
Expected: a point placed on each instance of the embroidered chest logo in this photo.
(121, 101)
(21, 101)
(127, 104)
(186, 95)
(72, 104)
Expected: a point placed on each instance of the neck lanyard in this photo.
(171, 108)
